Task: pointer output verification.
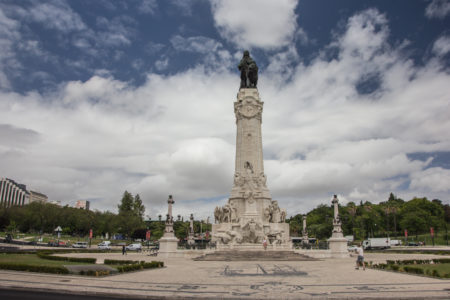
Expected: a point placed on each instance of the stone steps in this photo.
(233, 255)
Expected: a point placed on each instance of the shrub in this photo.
(394, 267)
(390, 262)
(441, 260)
(140, 265)
(46, 255)
(414, 270)
(33, 268)
(120, 262)
(153, 264)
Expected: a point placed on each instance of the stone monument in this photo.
(305, 239)
(191, 239)
(337, 242)
(168, 243)
(250, 214)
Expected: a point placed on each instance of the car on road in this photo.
(134, 247)
(80, 245)
(105, 245)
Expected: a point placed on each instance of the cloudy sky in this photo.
(99, 97)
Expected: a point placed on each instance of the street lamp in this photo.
(201, 231)
(58, 231)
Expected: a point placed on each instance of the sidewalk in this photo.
(185, 278)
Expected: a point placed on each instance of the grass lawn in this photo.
(33, 259)
(441, 268)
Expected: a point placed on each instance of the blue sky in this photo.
(98, 97)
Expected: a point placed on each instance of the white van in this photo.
(80, 245)
(134, 247)
(105, 245)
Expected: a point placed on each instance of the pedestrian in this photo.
(124, 250)
(360, 260)
(265, 243)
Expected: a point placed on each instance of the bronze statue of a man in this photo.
(249, 71)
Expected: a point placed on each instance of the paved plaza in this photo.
(185, 278)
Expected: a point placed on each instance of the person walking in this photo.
(360, 259)
(265, 243)
(124, 250)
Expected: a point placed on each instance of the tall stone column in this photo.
(249, 178)
(169, 217)
(168, 243)
(337, 242)
(191, 239)
(304, 232)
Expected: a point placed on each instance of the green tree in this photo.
(419, 214)
(320, 221)
(131, 212)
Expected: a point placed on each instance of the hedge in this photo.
(33, 268)
(120, 262)
(419, 261)
(414, 270)
(46, 255)
(153, 264)
(94, 273)
(408, 266)
(140, 266)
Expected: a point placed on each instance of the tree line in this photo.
(38, 217)
(388, 218)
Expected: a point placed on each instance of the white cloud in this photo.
(198, 44)
(366, 35)
(148, 7)
(56, 15)
(114, 32)
(175, 134)
(162, 64)
(432, 179)
(184, 6)
(438, 9)
(256, 23)
(442, 46)
(214, 55)
(9, 36)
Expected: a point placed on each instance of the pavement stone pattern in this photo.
(184, 278)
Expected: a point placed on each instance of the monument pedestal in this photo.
(337, 243)
(167, 246)
(338, 247)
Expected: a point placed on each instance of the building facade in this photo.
(38, 197)
(82, 204)
(13, 193)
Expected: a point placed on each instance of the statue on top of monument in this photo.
(249, 71)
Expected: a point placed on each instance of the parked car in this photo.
(105, 245)
(134, 247)
(53, 243)
(80, 245)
